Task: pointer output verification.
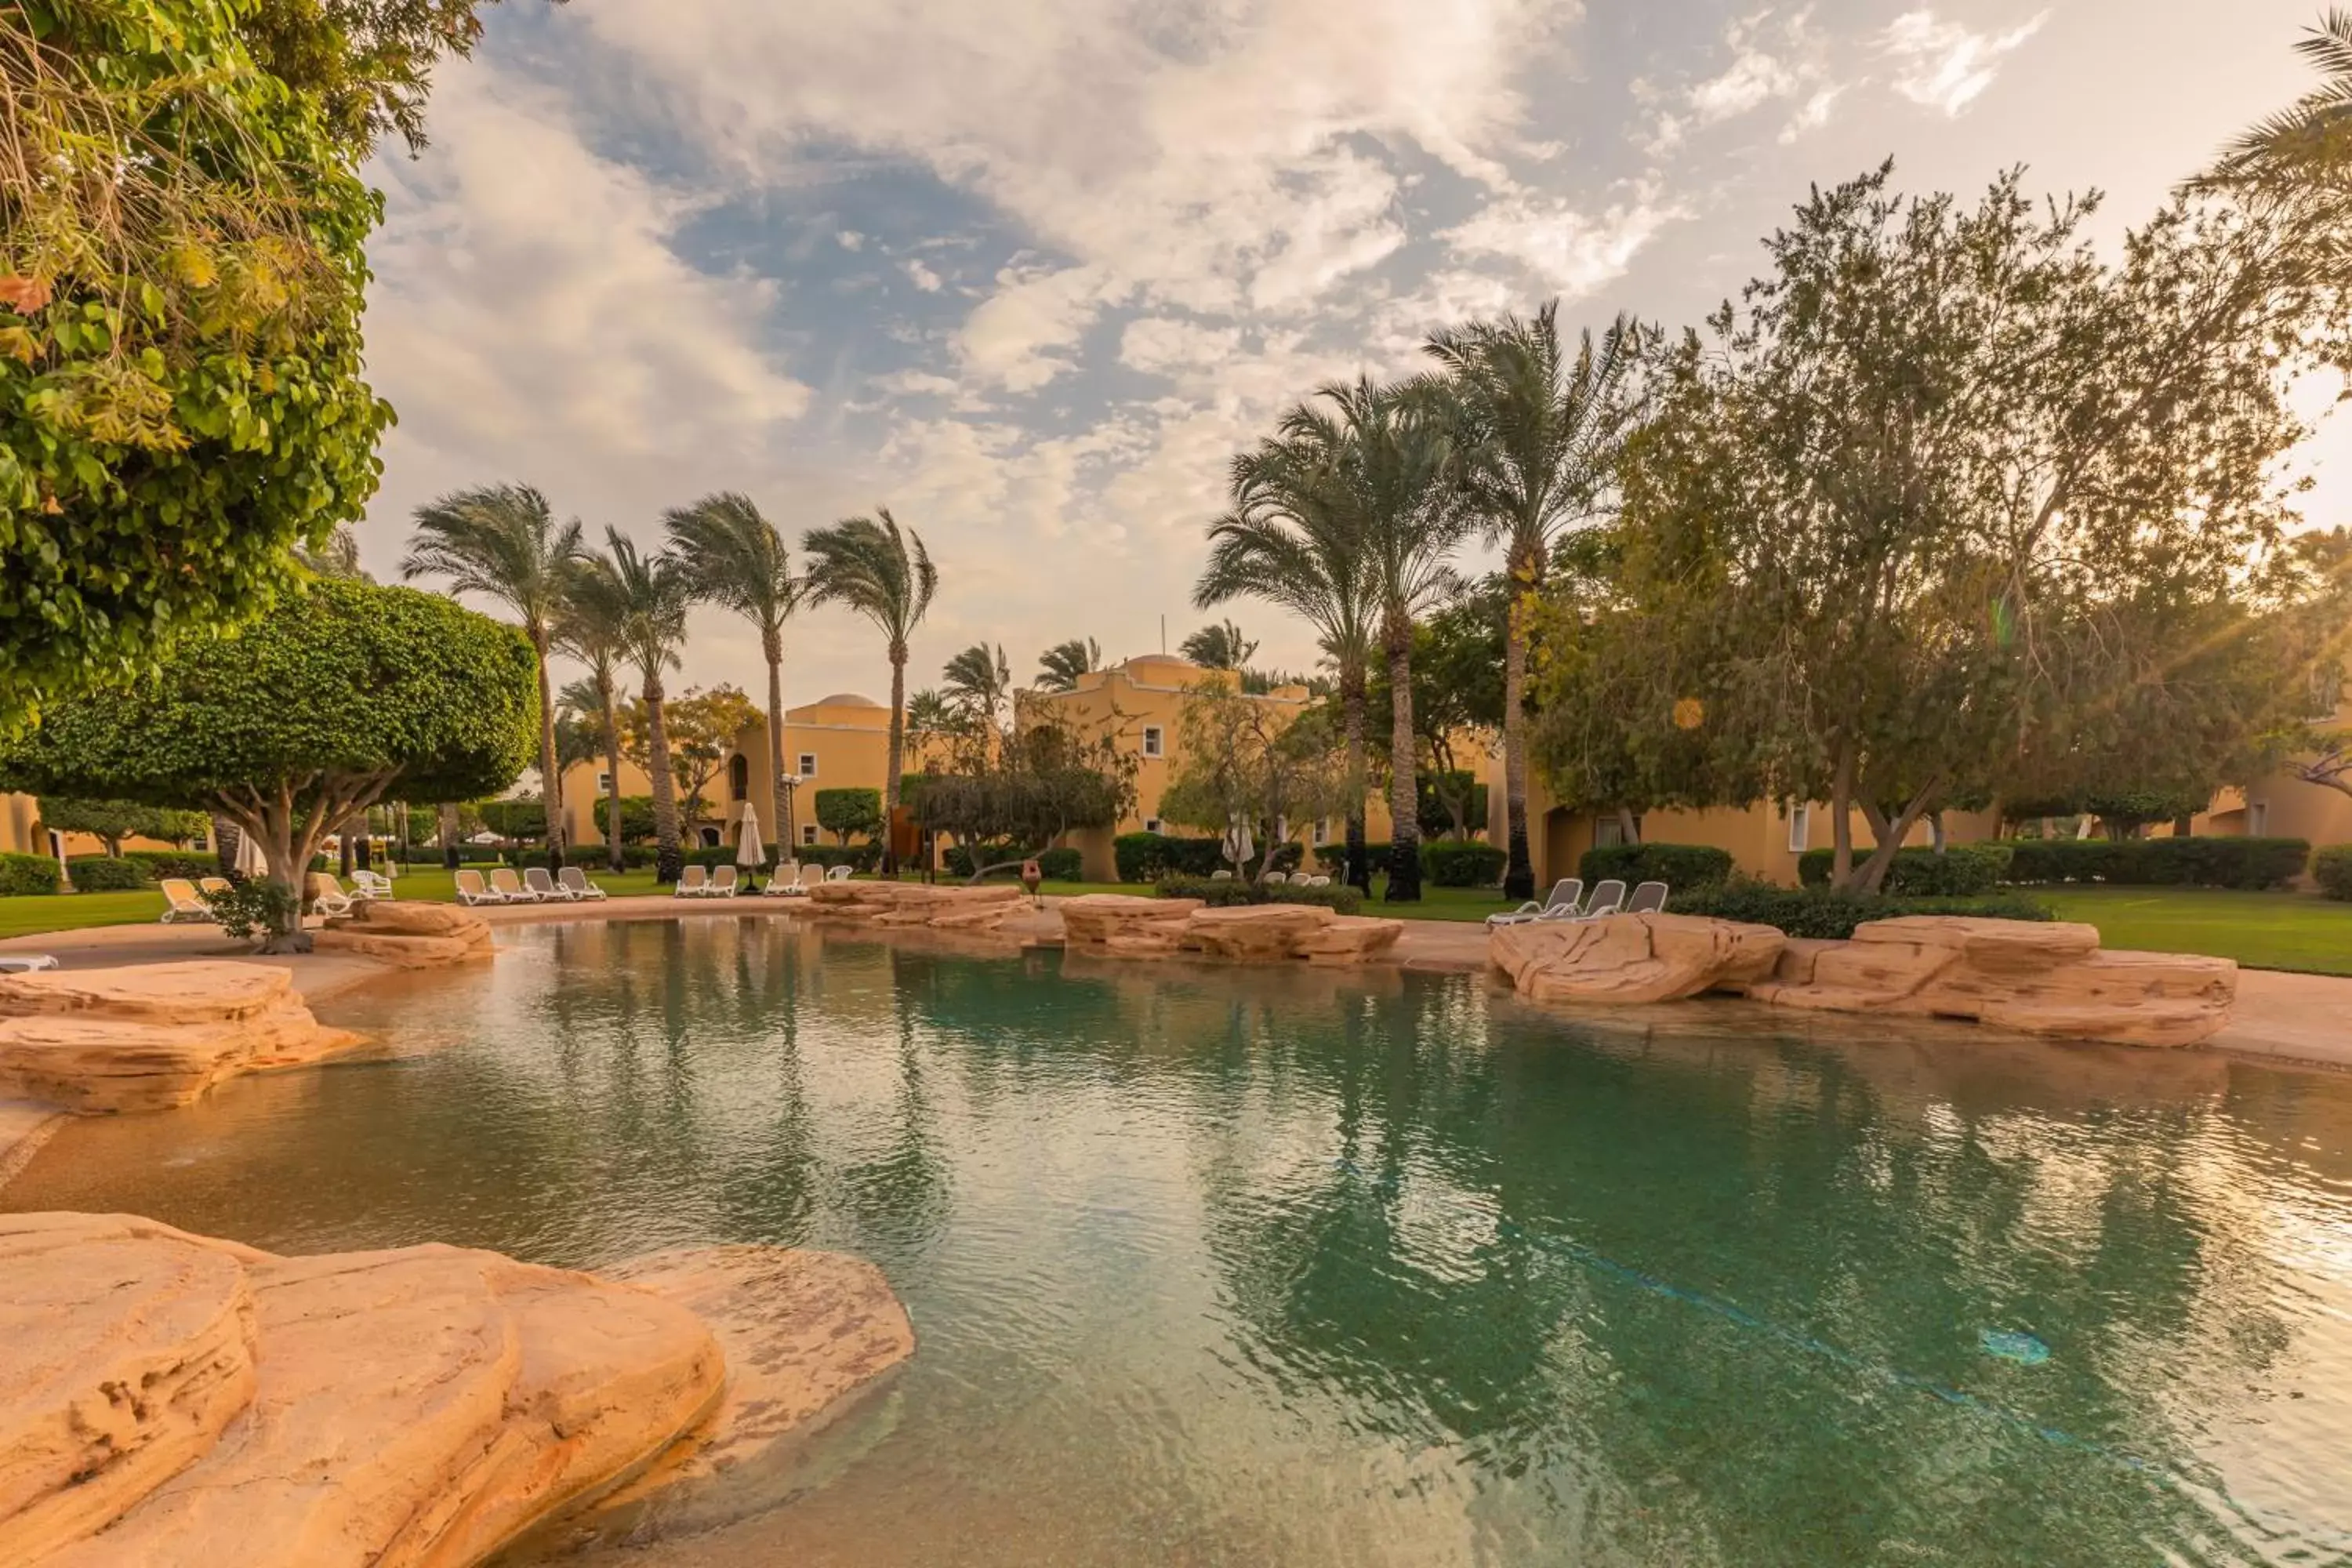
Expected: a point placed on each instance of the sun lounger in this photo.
(540, 886)
(25, 963)
(786, 883)
(208, 886)
(181, 902)
(471, 891)
(838, 874)
(1566, 894)
(693, 882)
(575, 882)
(509, 886)
(1221, 875)
(1648, 899)
(371, 884)
(1608, 898)
(722, 883)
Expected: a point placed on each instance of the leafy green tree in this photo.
(636, 820)
(1218, 646)
(703, 728)
(1539, 432)
(886, 575)
(1060, 666)
(843, 812)
(182, 261)
(502, 543)
(645, 598)
(112, 821)
(739, 564)
(1041, 785)
(347, 694)
(1249, 761)
(521, 820)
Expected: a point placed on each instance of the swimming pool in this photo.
(1232, 1266)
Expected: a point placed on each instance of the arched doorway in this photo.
(739, 776)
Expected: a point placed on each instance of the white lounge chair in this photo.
(1566, 894)
(371, 884)
(326, 895)
(693, 882)
(575, 882)
(181, 902)
(509, 886)
(722, 883)
(786, 883)
(542, 887)
(1648, 899)
(838, 874)
(25, 963)
(208, 886)
(1608, 898)
(470, 890)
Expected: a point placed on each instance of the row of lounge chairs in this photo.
(791, 880)
(570, 885)
(1279, 880)
(186, 901)
(1567, 902)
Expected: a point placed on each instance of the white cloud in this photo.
(928, 281)
(1755, 77)
(1020, 337)
(1157, 345)
(1815, 113)
(850, 239)
(1944, 66)
(1572, 253)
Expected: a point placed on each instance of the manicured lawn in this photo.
(73, 911)
(2263, 931)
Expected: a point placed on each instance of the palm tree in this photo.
(502, 541)
(2309, 146)
(739, 563)
(594, 630)
(1396, 476)
(337, 557)
(1220, 645)
(886, 576)
(978, 681)
(1291, 540)
(1537, 438)
(929, 713)
(648, 597)
(1061, 665)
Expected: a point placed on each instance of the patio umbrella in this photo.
(1239, 845)
(749, 853)
(250, 861)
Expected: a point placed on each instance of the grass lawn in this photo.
(73, 911)
(2263, 930)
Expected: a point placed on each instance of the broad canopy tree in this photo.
(345, 695)
(1043, 782)
(1263, 766)
(112, 821)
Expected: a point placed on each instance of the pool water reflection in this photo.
(1277, 1267)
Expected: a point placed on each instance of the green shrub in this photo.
(23, 875)
(1960, 871)
(255, 907)
(2332, 867)
(849, 811)
(1818, 912)
(161, 863)
(1449, 863)
(1058, 865)
(636, 818)
(1232, 890)
(2250, 864)
(104, 874)
(1149, 857)
(587, 857)
(1676, 864)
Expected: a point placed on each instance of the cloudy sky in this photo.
(1029, 271)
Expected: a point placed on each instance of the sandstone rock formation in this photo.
(1094, 919)
(1349, 939)
(1259, 931)
(168, 1399)
(411, 935)
(2039, 978)
(1631, 958)
(151, 1035)
(1167, 928)
(916, 904)
(2042, 978)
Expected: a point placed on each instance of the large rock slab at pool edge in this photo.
(1255, 932)
(916, 904)
(1631, 958)
(1349, 939)
(1094, 919)
(2038, 977)
(150, 1036)
(411, 935)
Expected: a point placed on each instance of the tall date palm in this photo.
(884, 573)
(594, 630)
(2307, 147)
(1538, 434)
(503, 542)
(1292, 538)
(649, 595)
(1059, 667)
(737, 560)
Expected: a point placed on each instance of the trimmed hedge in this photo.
(1453, 863)
(1676, 864)
(1149, 857)
(1232, 890)
(2250, 864)
(1961, 871)
(1818, 912)
(105, 874)
(161, 863)
(2332, 868)
(1058, 865)
(23, 876)
(587, 857)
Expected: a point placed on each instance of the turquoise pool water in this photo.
(1284, 1267)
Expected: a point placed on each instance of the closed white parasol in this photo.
(749, 853)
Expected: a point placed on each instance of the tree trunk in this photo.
(783, 819)
(445, 826)
(1871, 875)
(1359, 867)
(1518, 870)
(224, 835)
(1629, 826)
(1841, 820)
(616, 860)
(550, 777)
(1404, 795)
(669, 858)
(896, 765)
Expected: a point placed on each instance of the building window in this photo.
(739, 775)
(1154, 742)
(603, 783)
(808, 764)
(1322, 831)
(2258, 818)
(1150, 825)
(1800, 828)
(808, 834)
(709, 837)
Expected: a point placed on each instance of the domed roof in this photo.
(846, 699)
